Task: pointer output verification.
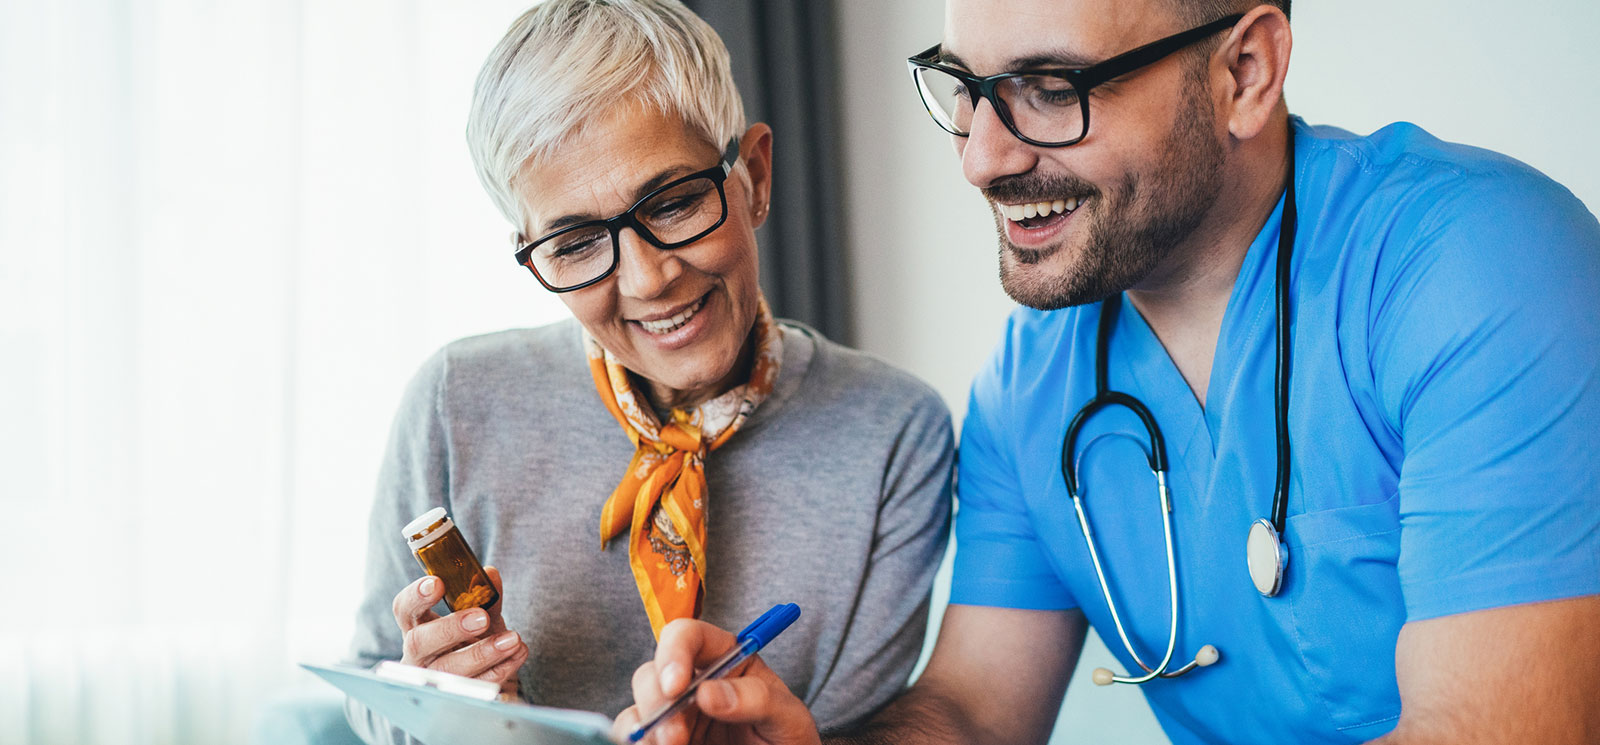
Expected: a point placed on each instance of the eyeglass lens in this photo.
(1041, 107)
(676, 215)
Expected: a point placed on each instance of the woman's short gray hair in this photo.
(565, 62)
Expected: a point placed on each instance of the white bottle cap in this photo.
(435, 515)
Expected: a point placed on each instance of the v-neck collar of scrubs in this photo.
(1149, 373)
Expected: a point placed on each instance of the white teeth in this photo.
(670, 324)
(1018, 212)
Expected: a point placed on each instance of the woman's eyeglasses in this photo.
(679, 213)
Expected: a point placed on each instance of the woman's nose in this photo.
(643, 271)
(990, 151)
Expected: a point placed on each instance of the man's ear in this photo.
(1255, 60)
(755, 151)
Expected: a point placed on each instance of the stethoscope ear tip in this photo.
(1207, 656)
(1102, 676)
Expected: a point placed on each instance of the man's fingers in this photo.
(674, 731)
(760, 699)
(426, 642)
(684, 645)
(647, 695)
(668, 733)
(734, 700)
(648, 699)
(756, 696)
(625, 722)
(413, 606)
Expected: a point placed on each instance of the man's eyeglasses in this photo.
(1048, 108)
(681, 212)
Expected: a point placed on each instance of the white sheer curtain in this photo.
(229, 232)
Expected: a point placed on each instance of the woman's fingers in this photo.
(494, 578)
(413, 605)
(427, 641)
(496, 622)
(478, 658)
(473, 642)
(505, 672)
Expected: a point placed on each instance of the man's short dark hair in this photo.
(1197, 12)
(1193, 13)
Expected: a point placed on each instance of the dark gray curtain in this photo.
(784, 64)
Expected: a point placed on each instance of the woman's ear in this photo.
(755, 151)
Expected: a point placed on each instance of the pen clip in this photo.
(769, 625)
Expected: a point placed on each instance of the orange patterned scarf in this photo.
(662, 497)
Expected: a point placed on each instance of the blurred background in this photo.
(230, 231)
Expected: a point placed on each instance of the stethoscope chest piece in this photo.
(1266, 556)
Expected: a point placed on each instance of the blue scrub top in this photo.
(1444, 398)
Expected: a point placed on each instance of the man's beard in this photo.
(1134, 226)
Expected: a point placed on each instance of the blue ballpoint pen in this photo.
(751, 640)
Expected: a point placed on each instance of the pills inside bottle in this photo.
(444, 553)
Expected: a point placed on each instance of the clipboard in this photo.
(439, 717)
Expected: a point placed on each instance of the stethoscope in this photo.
(1265, 554)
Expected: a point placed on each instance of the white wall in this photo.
(925, 287)
(229, 233)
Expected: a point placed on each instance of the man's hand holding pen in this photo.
(751, 705)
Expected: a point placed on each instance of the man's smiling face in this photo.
(1108, 211)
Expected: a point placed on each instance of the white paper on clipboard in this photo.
(439, 717)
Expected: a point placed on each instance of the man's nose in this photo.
(643, 271)
(990, 151)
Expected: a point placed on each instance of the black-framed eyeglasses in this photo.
(1047, 108)
(678, 213)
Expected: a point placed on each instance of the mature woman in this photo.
(674, 451)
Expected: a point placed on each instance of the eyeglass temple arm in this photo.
(730, 155)
(1148, 54)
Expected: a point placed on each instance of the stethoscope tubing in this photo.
(1172, 585)
(1287, 229)
(1105, 397)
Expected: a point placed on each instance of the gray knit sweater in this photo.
(835, 494)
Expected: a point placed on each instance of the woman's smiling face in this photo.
(680, 318)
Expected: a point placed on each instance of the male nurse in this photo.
(1440, 513)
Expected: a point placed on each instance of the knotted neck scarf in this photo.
(661, 501)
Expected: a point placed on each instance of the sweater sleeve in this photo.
(413, 478)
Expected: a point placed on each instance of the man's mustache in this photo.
(1029, 188)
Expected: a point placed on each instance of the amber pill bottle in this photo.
(444, 553)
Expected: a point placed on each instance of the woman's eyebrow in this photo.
(639, 191)
(663, 177)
